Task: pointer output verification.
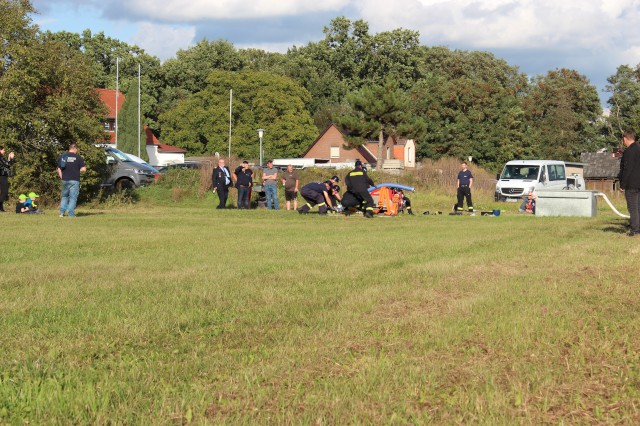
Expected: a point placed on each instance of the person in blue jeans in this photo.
(270, 182)
(70, 166)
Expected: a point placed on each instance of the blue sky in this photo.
(593, 37)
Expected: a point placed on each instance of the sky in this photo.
(593, 37)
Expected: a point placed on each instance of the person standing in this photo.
(630, 179)
(270, 182)
(70, 165)
(464, 184)
(290, 182)
(221, 181)
(5, 174)
(358, 183)
(244, 181)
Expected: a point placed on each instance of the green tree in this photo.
(200, 123)
(565, 109)
(128, 124)
(378, 111)
(191, 67)
(48, 101)
(624, 102)
(467, 117)
(103, 53)
(360, 58)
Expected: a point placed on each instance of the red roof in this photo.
(362, 149)
(152, 140)
(108, 97)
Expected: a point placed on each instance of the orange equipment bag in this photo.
(388, 202)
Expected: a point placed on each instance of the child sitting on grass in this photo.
(31, 202)
(22, 207)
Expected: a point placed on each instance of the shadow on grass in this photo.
(83, 214)
(619, 228)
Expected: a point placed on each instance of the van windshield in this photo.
(518, 171)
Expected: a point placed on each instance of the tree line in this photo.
(452, 102)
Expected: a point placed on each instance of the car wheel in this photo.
(124, 184)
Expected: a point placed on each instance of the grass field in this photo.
(161, 314)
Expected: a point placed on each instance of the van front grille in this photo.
(512, 191)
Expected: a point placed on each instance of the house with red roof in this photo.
(108, 98)
(160, 154)
(331, 147)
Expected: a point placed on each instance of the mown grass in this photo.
(172, 313)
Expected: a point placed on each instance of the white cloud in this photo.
(163, 41)
(508, 23)
(196, 10)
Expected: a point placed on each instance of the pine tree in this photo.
(378, 111)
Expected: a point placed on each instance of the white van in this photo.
(519, 177)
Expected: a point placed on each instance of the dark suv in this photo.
(124, 173)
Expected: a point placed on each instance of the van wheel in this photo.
(124, 184)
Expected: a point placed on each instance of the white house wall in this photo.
(157, 158)
(410, 154)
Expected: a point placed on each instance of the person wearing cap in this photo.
(316, 193)
(290, 182)
(5, 173)
(334, 196)
(244, 181)
(32, 202)
(358, 182)
(464, 184)
(21, 206)
(270, 182)
(70, 165)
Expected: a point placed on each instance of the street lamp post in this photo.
(260, 134)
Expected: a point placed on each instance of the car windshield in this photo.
(119, 155)
(517, 171)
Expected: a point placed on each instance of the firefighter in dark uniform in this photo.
(316, 193)
(464, 183)
(358, 182)
(334, 195)
(351, 203)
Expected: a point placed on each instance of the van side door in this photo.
(557, 176)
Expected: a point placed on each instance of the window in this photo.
(335, 152)
(107, 125)
(520, 172)
(409, 154)
(556, 172)
(388, 153)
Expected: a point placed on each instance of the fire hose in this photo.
(600, 194)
